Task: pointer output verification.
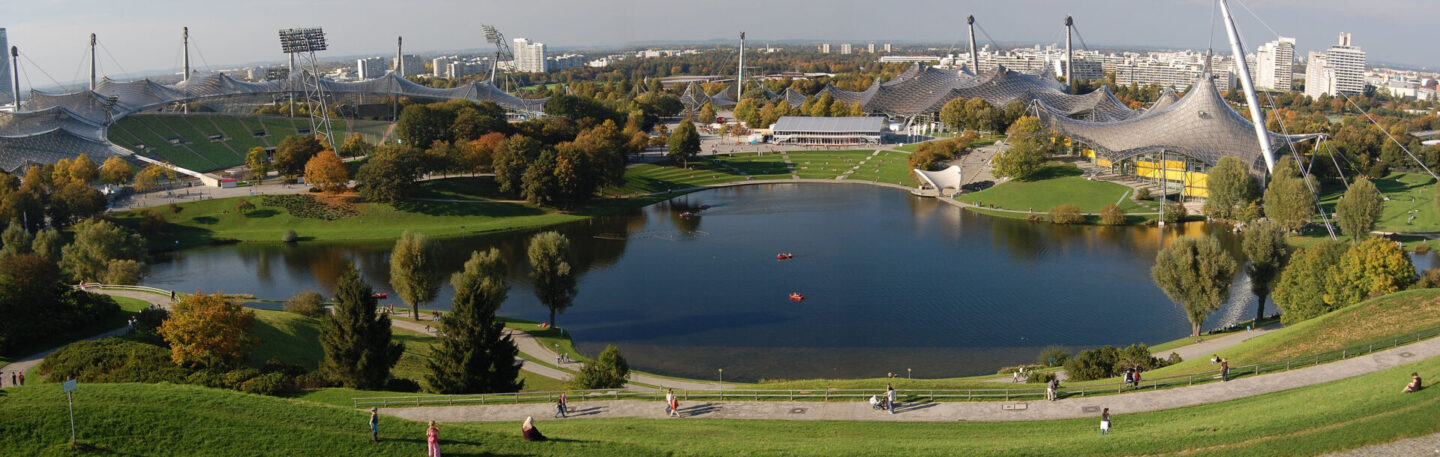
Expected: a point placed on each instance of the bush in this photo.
(278, 366)
(1422, 248)
(1142, 193)
(1112, 215)
(1430, 279)
(244, 206)
(1040, 378)
(401, 385)
(1053, 356)
(1174, 212)
(1035, 218)
(112, 360)
(1028, 368)
(290, 236)
(1098, 363)
(306, 304)
(312, 380)
(175, 208)
(608, 371)
(207, 378)
(272, 384)
(1378, 170)
(234, 378)
(1066, 214)
(307, 206)
(147, 325)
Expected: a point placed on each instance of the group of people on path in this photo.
(1224, 366)
(16, 379)
(885, 401)
(672, 404)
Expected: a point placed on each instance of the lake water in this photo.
(891, 282)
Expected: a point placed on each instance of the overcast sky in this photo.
(144, 35)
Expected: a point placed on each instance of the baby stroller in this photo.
(879, 402)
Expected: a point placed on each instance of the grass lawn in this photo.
(1407, 192)
(134, 419)
(888, 167)
(289, 337)
(128, 307)
(1055, 185)
(475, 188)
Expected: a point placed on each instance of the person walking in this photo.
(1105, 422)
(890, 398)
(1129, 377)
(432, 436)
(560, 407)
(1054, 389)
(22, 378)
(374, 425)
(1224, 370)
(674, 403)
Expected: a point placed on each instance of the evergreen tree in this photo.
(475, 355)
(358, 350)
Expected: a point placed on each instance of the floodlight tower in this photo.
(974, 56)
(502, 49)
(1069, 54)
(305, 42)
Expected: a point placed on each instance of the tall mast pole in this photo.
(974, 56)
(1243, 69)
(740, 77)
(15, 66)
(92, 62)
(400, 56)
(1069, 55)
(185, 37)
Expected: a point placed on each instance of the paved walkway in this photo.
(1410, 447)
(28, 362)
(1069, 408)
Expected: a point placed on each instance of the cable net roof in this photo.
(829, 124)
(1200, 125)
(19, 152)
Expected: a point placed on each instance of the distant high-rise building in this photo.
(1276, 62)
(870, 48)
(7, 90)
(370, 68)
(845, 48)
(414, 65)
(529, 57)
(1341, 69)
(825, 48)
(887, 47)
(439, 65)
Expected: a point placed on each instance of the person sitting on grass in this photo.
(1414, 383)
(529, 432)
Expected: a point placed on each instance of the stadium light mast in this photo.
(974, 55)
(1069, 55)
(306, 41)
(1256, 114)
(740, 77)
(502, 49)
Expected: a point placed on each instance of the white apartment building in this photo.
(370, 68)
(1341, 69)
(825, 48)
(870, 48)
(439, 65)
(412, 65)
(529, 57)
(845, 48)
(1275, 65)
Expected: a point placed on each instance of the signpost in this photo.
(69, 387)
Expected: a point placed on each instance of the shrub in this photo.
(401, 385)
(234, 378)
(1035, 218)
(152, 223)
(1040, 378)
(1098, 363)
(1430, 279)
(1142, 194)
(175, 208)
(1053, 356)
(147, 327)
(307, 206)
(272, 384)
(244, 206)
(608, 371)
(278, 366)
(1174, 212)
(306, 304)
(1028, 368)
(312, 380)
(1422, 248)
(290, 236)
(1066, 214)
(1112, 215)
(112, 360)
(207, 378)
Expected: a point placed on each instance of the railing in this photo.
(125, 287)
(908, 395)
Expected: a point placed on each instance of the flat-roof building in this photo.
(828, 130)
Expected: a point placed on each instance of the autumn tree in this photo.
(1300, 291)
(1265, 247)
(1230, 185)
(551, 273)
(358, 348)
(327, 172)
(116, 171)
(294, 152)
(207, 330)
(475, 355)
(685, 142)
(412, 271)
(258, 161)
(707, 114)
(83, 170)
(152, 175)
(1359, 209)
(355, 146)
(1195, 273)
(1368, 269)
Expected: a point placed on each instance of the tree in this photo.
(97, 242)
(747, 112)
(1368, 269)
(115, 170)
(327, 172)
(1112, 215)
(355, 146)
(16, 240)
(539, 184)
(122, 272)
(309, 303)
(1230, 185)
(1359, 209)
(608, 371)
(1300, 292)
(1264, 245)
(83, 170)
(707, 114)
(390, 174)
(421, 125)
(258, 162)
(47, 244)
(151, 176)
(1021, 161)
(685, 142)
(1287, 199)
(294, 151)
(412, 271)
(207, 330)
(475, 355)
(73, 202)
(511, 159)
(358, 349)
(551, 274)
(1195, 273)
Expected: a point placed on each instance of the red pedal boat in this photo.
(795, 296)
(784, 256)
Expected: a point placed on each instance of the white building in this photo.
(1340, 70)
(1275, 62)
(439, 65)
(529, 57)
(825, 48)
(600, 63)
(887, 47)
(370, 68)
(462, 69)
(845, 48)
(564, 62)
(410, 63)
(870, 48)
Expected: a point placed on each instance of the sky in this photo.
(142, 36)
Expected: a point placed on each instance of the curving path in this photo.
(28, 362)
(1069, 408)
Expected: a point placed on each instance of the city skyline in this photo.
(52, 35)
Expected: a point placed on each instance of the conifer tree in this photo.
(475, 355)
(358, 350)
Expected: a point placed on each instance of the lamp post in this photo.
(907, 373)
(722, 379)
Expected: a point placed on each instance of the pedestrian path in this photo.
(28, 362)
(1069, 408)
